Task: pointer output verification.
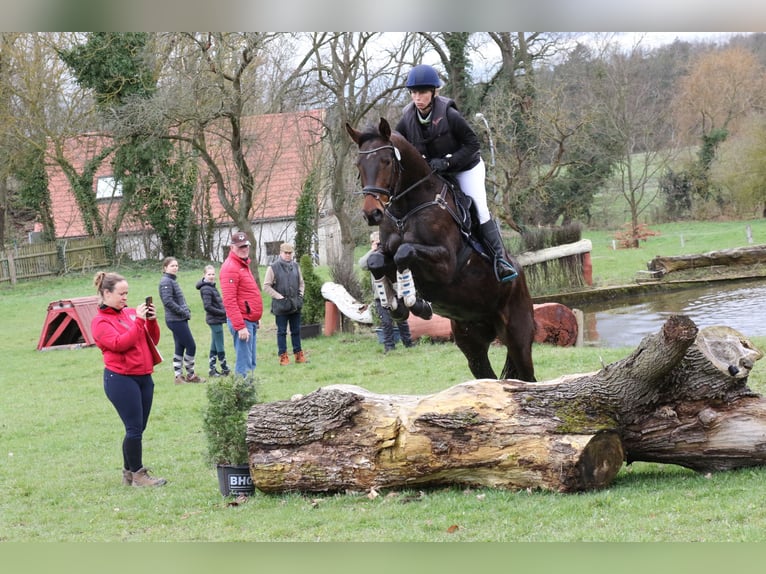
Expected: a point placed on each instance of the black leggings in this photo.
(183, 338)
(132, 397)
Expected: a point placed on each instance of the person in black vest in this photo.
(284, 282)
(435, 126)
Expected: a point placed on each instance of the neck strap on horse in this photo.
(438, 201)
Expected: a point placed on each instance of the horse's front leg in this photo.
(382, 269)
(433, 262)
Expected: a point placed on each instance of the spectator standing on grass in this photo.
(242, 301)
(386, 322)
(177, 315)
(215, 317)
(284, 282)
(127, 338)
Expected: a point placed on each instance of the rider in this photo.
(435, 126)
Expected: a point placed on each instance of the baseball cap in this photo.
(239, 238)
(286, 248)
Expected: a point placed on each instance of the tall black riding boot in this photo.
(504, 271)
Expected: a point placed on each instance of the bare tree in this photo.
(357, 74)
(636, 117)
(46, 109)
(721, 89)
(212, 86)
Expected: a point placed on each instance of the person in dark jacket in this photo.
(127, 338)
(215, 317)
(177, 315)
(284, 282)
(435, 126)
(242, 301)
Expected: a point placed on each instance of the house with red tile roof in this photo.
(281, 151)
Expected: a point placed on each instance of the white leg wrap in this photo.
(406, 287)
(384, 292)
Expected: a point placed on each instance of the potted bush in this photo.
(312, 313)
(225, 424)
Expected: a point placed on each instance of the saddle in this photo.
(466, 218)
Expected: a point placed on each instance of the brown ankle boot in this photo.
(284, 359)
(127, 477)
(141, 478)
(300, 357)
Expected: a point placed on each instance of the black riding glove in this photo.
(439, 164)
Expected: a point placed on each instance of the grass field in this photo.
(60, 460)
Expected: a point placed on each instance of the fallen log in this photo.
(737, 256)
(681, 397)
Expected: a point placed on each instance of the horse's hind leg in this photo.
(518, 358)
(473, 340)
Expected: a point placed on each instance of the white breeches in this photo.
(472, 184)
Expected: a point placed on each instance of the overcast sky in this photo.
(382, 15)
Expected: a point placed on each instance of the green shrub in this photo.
(225, 418)
(313, 302)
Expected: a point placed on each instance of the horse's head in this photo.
(382, 163)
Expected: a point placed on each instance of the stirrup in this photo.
(506, 264)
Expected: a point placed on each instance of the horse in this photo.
(428, 247)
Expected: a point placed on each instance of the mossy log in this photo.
(738, 256)
(681, 397)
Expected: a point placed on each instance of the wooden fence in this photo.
(52, 258)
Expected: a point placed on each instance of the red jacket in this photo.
(122, 338)
(241, 294)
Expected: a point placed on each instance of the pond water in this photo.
(739, 305)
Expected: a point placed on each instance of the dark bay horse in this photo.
(424, 250)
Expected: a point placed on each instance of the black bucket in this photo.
(235, 480)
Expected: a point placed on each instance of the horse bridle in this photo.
(392, 196)
(376, 192)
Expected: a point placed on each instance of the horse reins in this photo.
(374, 191)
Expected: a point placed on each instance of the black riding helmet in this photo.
(423, 76)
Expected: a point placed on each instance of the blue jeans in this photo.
(294, 320)
(245, 350)
(387, 324)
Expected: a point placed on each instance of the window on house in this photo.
(108, 188)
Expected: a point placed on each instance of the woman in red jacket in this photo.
(127, 338)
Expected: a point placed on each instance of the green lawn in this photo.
(60, 460)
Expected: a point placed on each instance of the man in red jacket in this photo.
(242, 301)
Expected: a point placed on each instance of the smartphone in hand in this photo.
(150, 310)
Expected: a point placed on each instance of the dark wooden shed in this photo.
(67, 324)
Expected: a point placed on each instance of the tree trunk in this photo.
(680, 397)
(737, 256)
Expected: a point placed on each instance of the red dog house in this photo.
(67, 324)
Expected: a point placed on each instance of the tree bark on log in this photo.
(681, 397)
(738, 256)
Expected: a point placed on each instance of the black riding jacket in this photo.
(446, 134)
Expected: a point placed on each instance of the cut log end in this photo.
(600, 461)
